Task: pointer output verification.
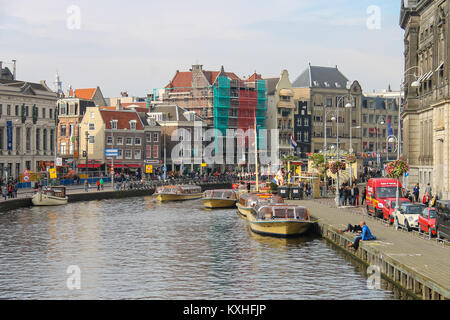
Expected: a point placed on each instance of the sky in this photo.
(137, 46)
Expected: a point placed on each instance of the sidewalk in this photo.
(428, 258)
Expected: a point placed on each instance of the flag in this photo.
(293, 142)
(390, 131)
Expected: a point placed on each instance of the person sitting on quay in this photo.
(352, 228)
(365, 235)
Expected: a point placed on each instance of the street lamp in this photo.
(378, 155)
(327, 112)
(348, 105)
(351, 152)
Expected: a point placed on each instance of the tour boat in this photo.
(221, 198)
(51, 196)
(178, 193)
(279, 220)
(248, 201)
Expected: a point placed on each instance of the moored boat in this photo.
(178, 193)
(51, 196)
(221, 198)
(248, 201)
(279, 220)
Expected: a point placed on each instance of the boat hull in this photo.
(45, 200)
(219, 203)
(244, 211)
(282, 228)
(164, 197)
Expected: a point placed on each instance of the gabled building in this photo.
(93, 94)
(280, 111)
(112, 129)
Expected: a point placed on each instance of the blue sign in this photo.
(164, 168)
(406, 174)
(111, 152)
(9, 134)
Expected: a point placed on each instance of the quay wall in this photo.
(401, 275)
(13, 204)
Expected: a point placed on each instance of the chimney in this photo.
(14, 69)
(119, 105)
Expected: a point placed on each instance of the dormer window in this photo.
(133, 124)
(114, 124)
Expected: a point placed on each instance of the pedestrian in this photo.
(363, 198)
(356, 193)
(10, 190)
(101, 183)
(14, 190)
(348, 195)
(365, 235)
(416, 191)
(426, 199)
(5, 192)
(428, 189)
(98, 185)
(352, 228)
(342, 195)
(86, 185)
(248, 187)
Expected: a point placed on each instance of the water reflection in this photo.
(137, 248)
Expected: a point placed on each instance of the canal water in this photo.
(137, 248)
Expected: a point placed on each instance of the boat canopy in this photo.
(282, 211)
(182, 189)
(220, 194)
(252, 199)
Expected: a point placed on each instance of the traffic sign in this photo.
(111, 152)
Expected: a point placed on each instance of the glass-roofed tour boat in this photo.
(178, 193)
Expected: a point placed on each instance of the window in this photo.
(127, 154)
(133, 124)
(155, 137)
(1, 139)
(52, 136)
(27, 111)
(51, 113)
(44, 136)
(91, 126)
(119, 140)
(1, 109)
(17, 111)
(62, 131)
(91, 139)
(306, 136)
(129, 141)
(109, 140)
(71, 147)
(148, 137)
(120, 154)
(92, 115)
(329, 102)
(63, 109)
(28, 140)
(137, 141)
(63, 147)
(137, 153)
(299, 122)
(43, 113)
(155, 151)
(306, 122)
(38, 139)
(71, 130)
(8, 110)
(113, 124)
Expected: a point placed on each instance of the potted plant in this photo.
(350, 159)
(336, 166)
(396, 169)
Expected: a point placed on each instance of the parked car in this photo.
(443, 219)
(427, 221)
(408, 216)
(378, 190)
(389, 207)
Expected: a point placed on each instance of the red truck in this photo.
(379, 190)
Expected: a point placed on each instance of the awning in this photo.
(118, 166)
(286, 92)
(440, 66)
(91, 165)
(132, 165)
(429, 75)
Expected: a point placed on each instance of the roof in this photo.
(123, 117)
(134, 104)
(174, 112)
(321, 77)
(272, 84)
(86, 94)
(184, 79)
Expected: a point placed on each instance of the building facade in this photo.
(280, 111)
(27, 127)
(426, 109)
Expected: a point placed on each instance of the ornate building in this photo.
(426, 110)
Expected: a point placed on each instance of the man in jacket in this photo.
(366, 235)
(416, 192)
